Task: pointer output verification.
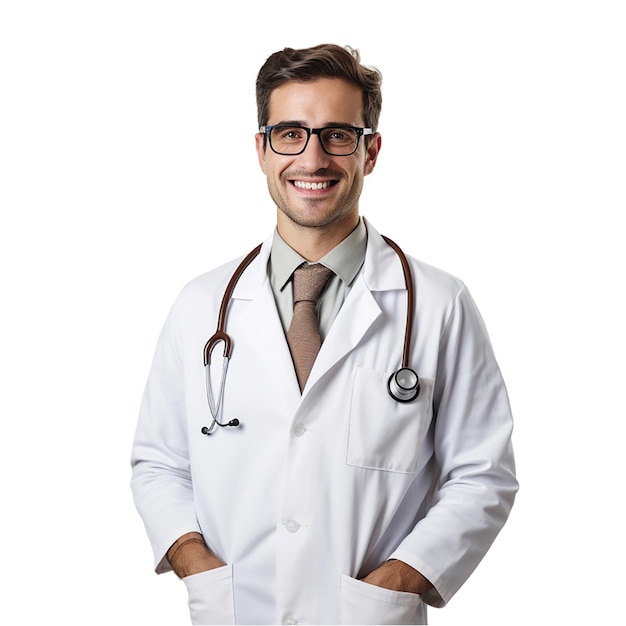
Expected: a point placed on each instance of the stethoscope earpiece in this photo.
(209, 431)
(404, 385)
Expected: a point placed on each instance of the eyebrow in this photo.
(300, 123)
(289, 123)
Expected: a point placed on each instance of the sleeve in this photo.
(476, 483)
(161, 477)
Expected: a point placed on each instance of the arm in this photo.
(161, 476)
(398, 576)
(189, 555)
(476, 484)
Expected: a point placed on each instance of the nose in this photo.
(314, 158)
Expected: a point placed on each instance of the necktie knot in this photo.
(309, 282)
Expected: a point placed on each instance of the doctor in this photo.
(315, 497)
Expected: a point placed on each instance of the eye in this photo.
(340, 137)
(290, 133)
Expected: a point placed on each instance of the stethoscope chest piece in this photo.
(404, 385)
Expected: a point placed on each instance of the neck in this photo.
(313, 243)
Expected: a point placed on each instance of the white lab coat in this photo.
(314, 491)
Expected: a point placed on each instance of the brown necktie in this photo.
(303, 335)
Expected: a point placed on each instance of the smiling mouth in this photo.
(305, 184)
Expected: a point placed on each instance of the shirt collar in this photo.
(345, 259)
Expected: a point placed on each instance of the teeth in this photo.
(307, 185)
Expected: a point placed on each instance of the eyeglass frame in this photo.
(360, 132)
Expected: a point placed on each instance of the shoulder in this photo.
(209, 281)
(385, 263)
(434, 280)
(212, 285)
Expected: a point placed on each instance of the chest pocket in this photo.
(385, 434)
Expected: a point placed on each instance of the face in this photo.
(314, 190)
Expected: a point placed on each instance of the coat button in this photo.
(292, 526)
(298, 430)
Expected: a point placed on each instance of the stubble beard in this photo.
(310, 216)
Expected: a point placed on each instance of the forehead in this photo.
(317, 102)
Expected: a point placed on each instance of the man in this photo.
(305, 493)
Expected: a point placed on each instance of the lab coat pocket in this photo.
(384, 433)
(211, 596)
(362, 603)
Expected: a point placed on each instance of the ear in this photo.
(371, 154)
(260, 150)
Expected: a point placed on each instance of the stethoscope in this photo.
(403, 385)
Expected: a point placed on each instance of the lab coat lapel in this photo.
(381, 271)
(262, 319)
(358, 313)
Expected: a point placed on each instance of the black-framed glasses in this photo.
(292, 139)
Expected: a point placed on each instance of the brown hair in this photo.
(323, 61)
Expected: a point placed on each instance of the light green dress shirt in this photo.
(345, 260)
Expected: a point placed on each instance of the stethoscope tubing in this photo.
(220, 333)
(410, 296)
(395, 389)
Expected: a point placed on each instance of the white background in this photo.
(127, 167)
